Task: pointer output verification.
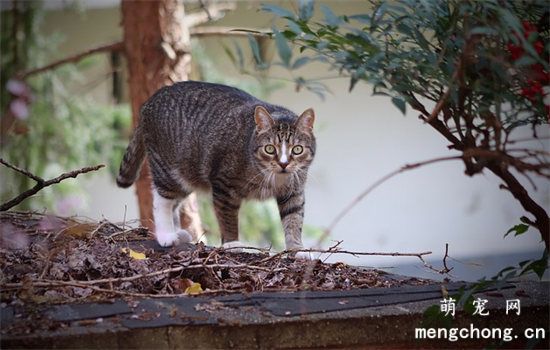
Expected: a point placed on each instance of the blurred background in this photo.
(79, 115)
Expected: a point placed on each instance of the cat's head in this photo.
(285, 145)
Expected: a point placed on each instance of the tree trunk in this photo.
(157, 49)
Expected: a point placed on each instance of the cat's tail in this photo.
(132, 160)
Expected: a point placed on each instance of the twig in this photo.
(439, 106)
(49, 283)
(54, 283)
(527, 139)
(118, 46)
(232, 31)
(40, 182)
(334, 247)
(209, 13)
(385, 178)
(337, 251)
(124, 219)
(22, 171)
(205, 9)
(447, 269)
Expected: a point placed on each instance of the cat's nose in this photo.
(283, 165)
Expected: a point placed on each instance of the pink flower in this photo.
(18, 88)
(19, 108)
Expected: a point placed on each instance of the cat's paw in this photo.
(184, 236)
(235, 246)
(168, 239)
(303, 256)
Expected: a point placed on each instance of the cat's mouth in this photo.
(284, 172)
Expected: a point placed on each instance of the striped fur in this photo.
(132, 160)
(211, 137)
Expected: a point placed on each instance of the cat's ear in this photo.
(305, 120)
(263, 119)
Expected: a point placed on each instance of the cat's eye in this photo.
(297, 150)
(269, 149)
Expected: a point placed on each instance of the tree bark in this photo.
(157, 49)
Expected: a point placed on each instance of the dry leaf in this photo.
(185, 283)
(133, 254)
(80, 230)
(194, 289)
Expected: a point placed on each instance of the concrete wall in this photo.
(360, 139)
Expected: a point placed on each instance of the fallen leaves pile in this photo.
(48, 259)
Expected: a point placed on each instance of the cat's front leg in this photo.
(291, 210)
(226, 207)
(165, 230)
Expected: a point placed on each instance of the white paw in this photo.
(184, 236)
(236, 246)
(303, 256)
(167, 239)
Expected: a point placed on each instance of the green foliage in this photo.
(64, 129)
(519, 229)
(412, 49)
(210, 72)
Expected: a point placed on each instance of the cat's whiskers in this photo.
(260, 173)
(264, 185)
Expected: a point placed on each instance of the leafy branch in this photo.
(481, 64)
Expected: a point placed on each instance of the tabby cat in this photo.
(212, 137)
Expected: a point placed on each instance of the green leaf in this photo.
(255, 49)
(330, 18)
(229, 54)
(400, 104)
(519, 229)
(294, 27)
(525, 220)
(306, 9)
(525, 60)
(277, 10)
(484, 31)
(424, 44)
(363, 18)
(300, 62)
(377, 15)
(539, 266)
(240, 56)
(282, 48)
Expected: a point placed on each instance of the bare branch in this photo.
(441, 103)
(368, 190)
(22, 171)
(229, 31)
(41, 183)
(338, 251)
(117, 46)
(447, 269)
(210, 13)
